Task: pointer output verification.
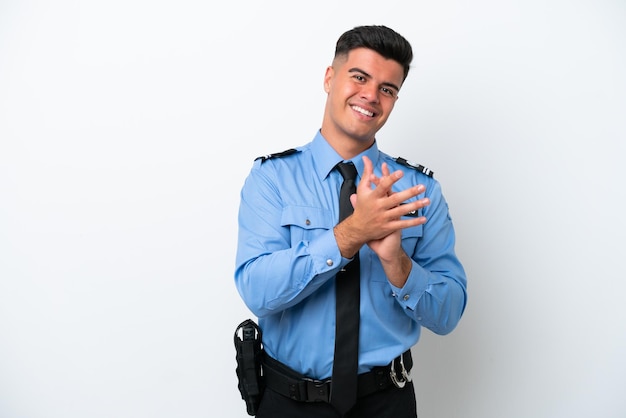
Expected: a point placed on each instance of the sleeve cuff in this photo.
(325, 253)
(413, 289)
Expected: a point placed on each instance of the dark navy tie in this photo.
(344, 378)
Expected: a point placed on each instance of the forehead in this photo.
(371, 62)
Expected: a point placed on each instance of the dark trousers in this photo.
(389, 403)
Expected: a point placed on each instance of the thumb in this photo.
(353, 199)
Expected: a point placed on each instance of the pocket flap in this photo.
(412, 232)
(307, 217)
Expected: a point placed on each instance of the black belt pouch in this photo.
(249, 349)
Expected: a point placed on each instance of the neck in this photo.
(347, 147)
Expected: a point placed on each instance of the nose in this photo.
(370, 92)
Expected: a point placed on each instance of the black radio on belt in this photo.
(249, 349)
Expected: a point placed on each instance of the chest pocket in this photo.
(305, 222)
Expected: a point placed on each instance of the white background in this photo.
(127, 129)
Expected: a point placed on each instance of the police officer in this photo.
(292, 248)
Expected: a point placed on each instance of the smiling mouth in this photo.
(362, 111)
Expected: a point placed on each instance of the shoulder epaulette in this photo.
(418, 167)
(276, 155)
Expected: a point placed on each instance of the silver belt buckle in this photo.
(399, 382)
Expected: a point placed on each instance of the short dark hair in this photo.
(381, 39)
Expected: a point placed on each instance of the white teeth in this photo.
(362, 111)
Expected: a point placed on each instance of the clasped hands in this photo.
(377, 220)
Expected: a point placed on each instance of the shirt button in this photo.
(307, 222)
(329, 262)
(406, 297)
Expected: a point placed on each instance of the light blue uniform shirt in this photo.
(287, 259)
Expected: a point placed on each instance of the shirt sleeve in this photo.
(272, 271)
(435, 293)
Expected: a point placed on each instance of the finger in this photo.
(400, 197)
(369, 176)
(385, 183)
(375, 180)
(368, 172)
(409, 209)
(403, 198)
(389, 179)
(385, 169)
(386, 173)
(410, 222)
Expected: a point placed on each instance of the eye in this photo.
(359, 78)
(388, 91)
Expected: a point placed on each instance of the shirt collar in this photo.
(326, 158)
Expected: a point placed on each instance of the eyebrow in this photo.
(386, 83)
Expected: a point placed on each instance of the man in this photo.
(293, 249)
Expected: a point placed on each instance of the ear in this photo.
(330, 72)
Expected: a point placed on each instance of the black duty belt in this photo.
(287, 382)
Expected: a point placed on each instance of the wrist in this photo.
(397, 269)
(347, 243)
